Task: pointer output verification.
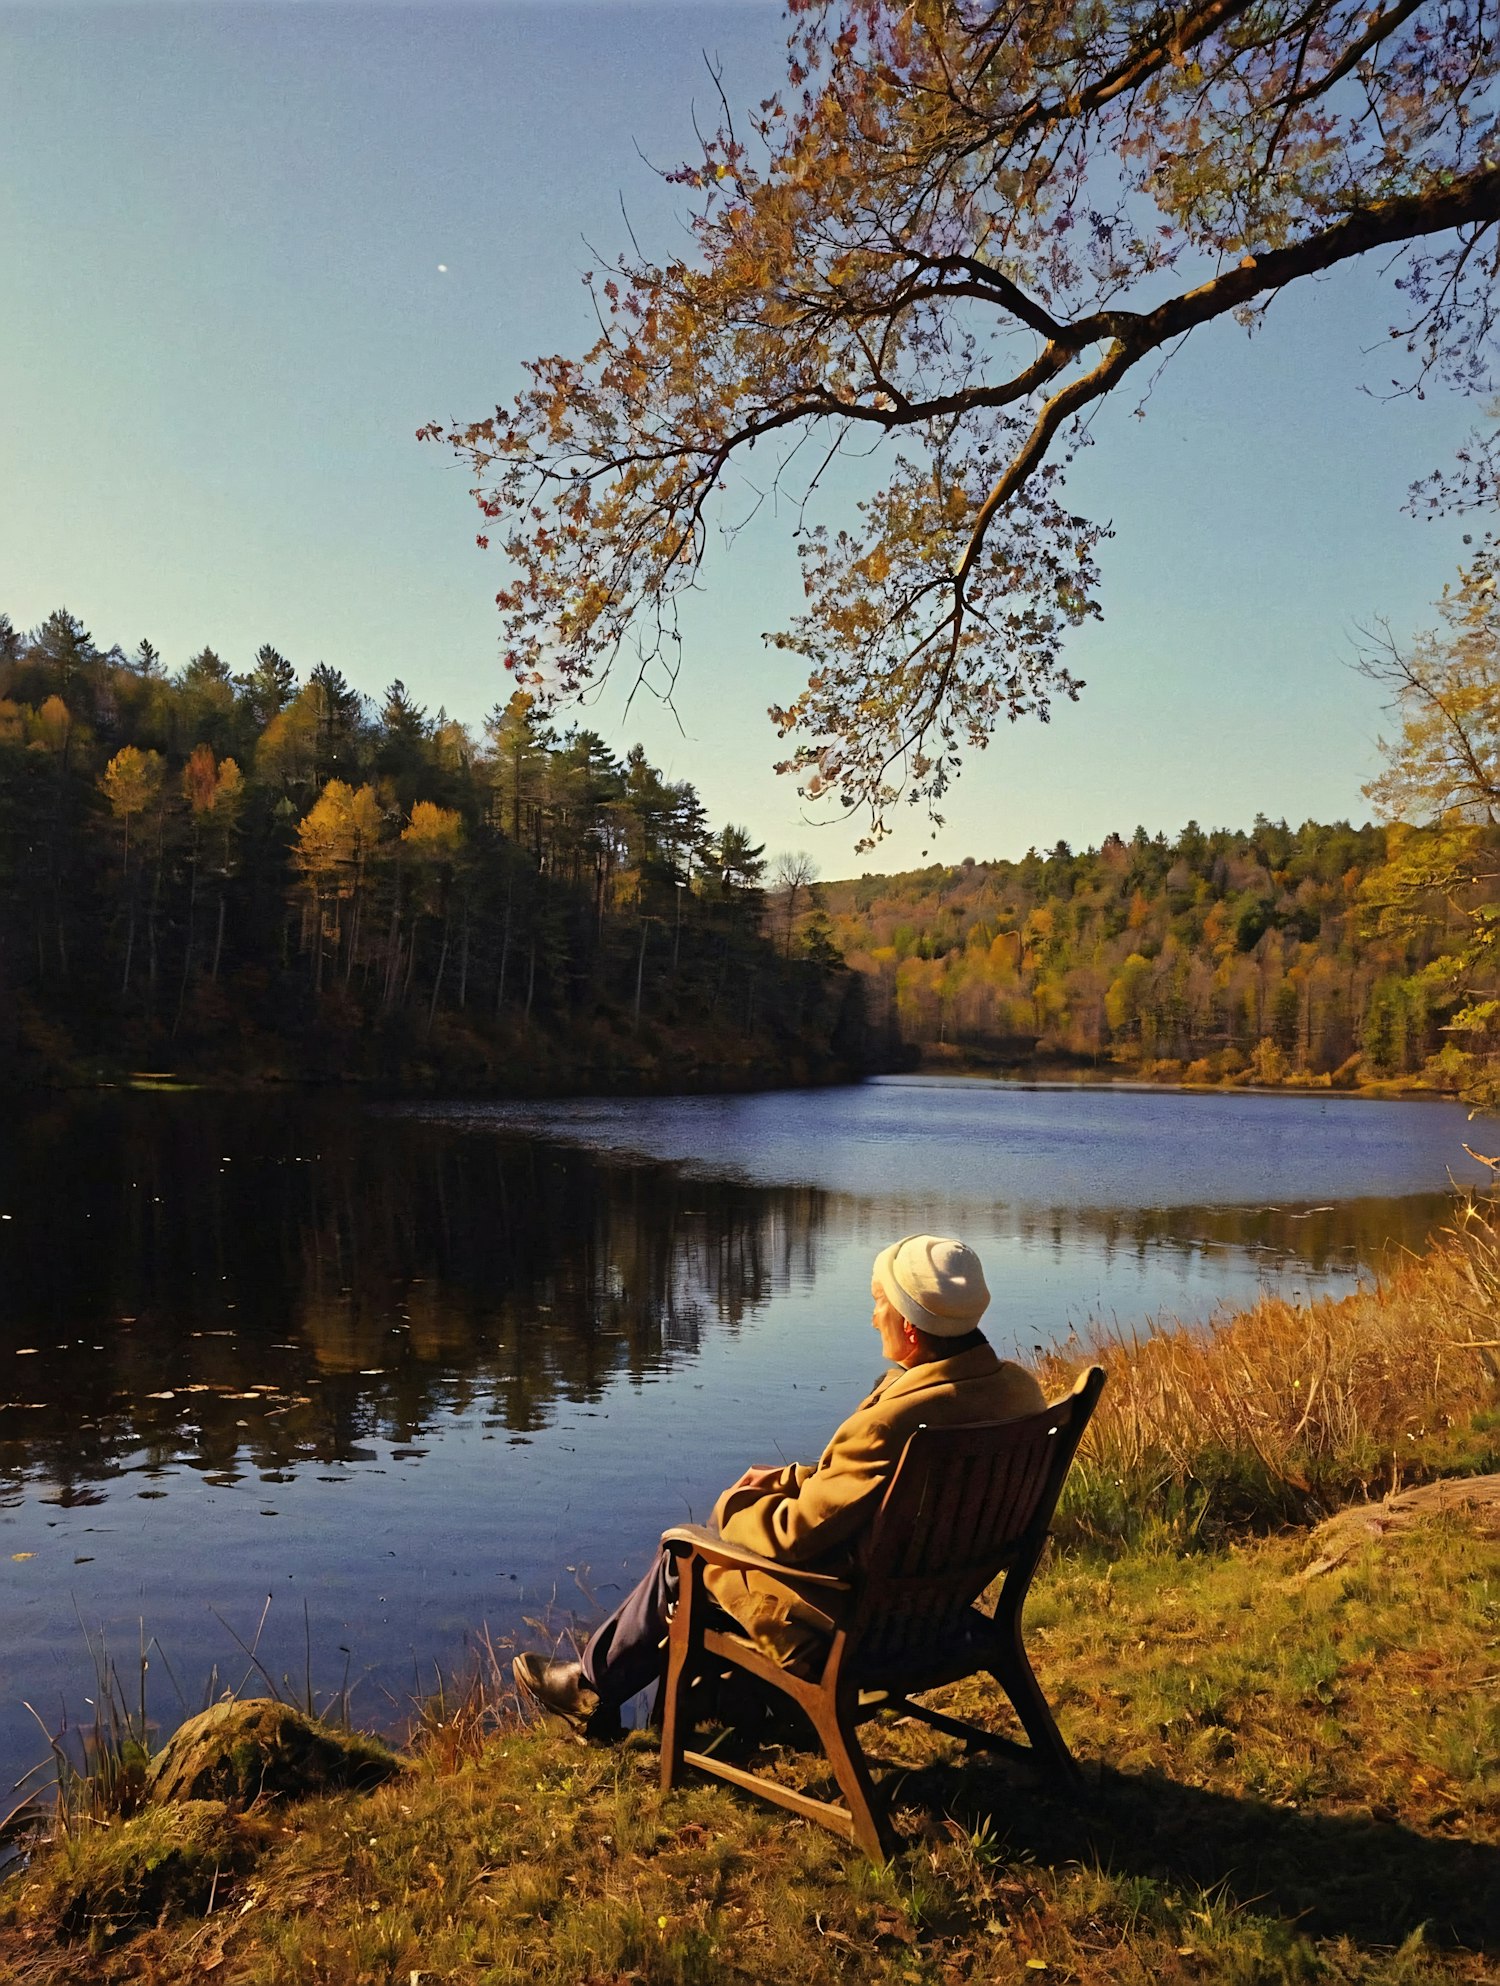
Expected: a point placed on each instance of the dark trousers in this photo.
(623, 1654)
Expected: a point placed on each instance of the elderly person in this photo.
(930, 1294)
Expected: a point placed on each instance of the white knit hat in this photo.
(937, 1284)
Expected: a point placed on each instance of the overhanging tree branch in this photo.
(955, 244)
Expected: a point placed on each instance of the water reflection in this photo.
(265, 1284)
(232, 1284)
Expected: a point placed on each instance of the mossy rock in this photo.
(162, 1862)
(262, 1749)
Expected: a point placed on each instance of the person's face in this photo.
(896, 1340)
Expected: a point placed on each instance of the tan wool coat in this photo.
(815, 1516)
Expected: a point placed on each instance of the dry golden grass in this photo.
(1281, 1412)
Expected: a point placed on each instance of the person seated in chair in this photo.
(930, 1294)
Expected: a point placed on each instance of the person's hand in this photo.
(756, 1479)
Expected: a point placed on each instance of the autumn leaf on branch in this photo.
(1440, 792)
(958, 230)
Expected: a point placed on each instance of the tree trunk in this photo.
(437, 980)
(151, 933)
(640, 967)
(393, 948)
(218, 940)
(353, 946)
(187, 949)
(129, 914)
(713, 1009)
(504, 956)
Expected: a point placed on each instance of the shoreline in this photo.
(719, 1082)
(596, 1082)
(1066, 1076)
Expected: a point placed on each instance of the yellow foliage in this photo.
(1267, 1063)
(1005, 954)
(338, 833)
(132, 781)
(434, 834)
(52, 724)
(287, 746)
(1122, 1001)
(1040, 925)
(231, 785)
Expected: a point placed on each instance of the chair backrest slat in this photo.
(965, 1504)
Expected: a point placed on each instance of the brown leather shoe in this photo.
(559, 1688)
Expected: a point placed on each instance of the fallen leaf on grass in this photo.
(895, 1924)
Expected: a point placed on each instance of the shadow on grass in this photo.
(1349, 1875)
(1332, 1875)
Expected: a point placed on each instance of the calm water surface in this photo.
(410, 1369)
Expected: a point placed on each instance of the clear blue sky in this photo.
(221, 228)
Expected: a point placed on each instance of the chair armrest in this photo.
(718, 1551)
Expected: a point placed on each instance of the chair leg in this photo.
(672, 1691)
(839, 1733)
(1014, 1674)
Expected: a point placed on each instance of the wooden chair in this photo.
(965, 1505)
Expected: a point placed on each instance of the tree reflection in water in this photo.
(222, 1282)
(260, 1282)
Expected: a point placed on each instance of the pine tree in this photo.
(270, 685)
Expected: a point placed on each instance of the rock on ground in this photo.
(259, 1749)
(1475, 1498)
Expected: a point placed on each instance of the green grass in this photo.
(1291, 1781)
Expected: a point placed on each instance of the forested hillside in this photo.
(247, 874)
(1251, 955)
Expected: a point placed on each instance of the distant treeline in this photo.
(248, 873)
(1223, 954)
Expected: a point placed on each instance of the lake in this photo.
(410, 1368)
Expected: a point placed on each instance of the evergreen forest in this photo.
(251, 875)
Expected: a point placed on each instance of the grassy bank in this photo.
(1280, 1413)
(1293, 1747)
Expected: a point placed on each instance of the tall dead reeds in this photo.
(1281, 1412)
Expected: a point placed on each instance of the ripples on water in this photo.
(414, 1366)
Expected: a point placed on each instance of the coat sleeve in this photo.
(830, 1503)
(732, 1500)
